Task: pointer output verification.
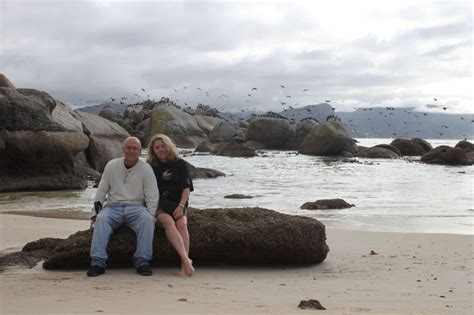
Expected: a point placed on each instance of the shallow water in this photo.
(389, 195)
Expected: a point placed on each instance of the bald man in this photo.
(129, 193)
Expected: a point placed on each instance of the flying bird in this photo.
(305, 90)
(328, 101)
(143, 89)
(283, 87)
(435, 99)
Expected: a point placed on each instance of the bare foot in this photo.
(187, 268)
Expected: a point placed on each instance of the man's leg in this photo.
(143, 224)
(109, 218)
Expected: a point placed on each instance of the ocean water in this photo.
(400, 195)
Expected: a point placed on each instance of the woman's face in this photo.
(160, 149)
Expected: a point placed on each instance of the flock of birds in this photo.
(285, 100)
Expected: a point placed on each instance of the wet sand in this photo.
(407, 273)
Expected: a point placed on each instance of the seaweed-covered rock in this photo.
(236, 236)
(465, 145)
(447, 156)
(323, 204)
(413, 147)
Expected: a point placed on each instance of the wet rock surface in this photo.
(323, 204)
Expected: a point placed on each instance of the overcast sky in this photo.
(354, 53)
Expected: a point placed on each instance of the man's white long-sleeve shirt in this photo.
(135, 185)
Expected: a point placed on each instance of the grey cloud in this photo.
(84, 50)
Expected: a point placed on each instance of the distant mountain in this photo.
(389, 122)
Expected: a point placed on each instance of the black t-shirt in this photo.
(172, 179)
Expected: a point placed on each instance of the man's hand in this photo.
(97, 207)
(93, 221)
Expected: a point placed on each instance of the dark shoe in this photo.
(144, 270)
(95, 271)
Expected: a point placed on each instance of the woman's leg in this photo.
(182, 226)
(177, 242)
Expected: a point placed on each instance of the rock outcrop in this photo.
(323, 204)
(273, 133)
(105, 139)
(201, 172)
(180, 126)
(225, 131)
(37, 152)
(235, 148)
(412, 147)
(447, 156)
(234, 236)
(329, 138)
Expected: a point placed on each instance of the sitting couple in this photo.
(135, 193)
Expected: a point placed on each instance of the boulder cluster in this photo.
(461, 154)
(46, 145)
(205, 131)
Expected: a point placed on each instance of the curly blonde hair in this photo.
(172, 155)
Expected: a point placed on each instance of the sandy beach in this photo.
(409, 274)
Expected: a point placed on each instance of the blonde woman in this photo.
(174, 185)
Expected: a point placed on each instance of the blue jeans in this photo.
(136, 217)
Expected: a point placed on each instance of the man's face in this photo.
(131, 149)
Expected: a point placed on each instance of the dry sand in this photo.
(410, 274)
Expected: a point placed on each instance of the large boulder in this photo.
(447, 156)
(105, 139)
(201, 172)
(234, 148)
(234, 236)
(329, 138)
(108, 112)
(180, 126)
(465, 145)
(27, 109)
(36, 151)
(412, 147)
(225, 131)
(271, 132)
(325, 204)
(5, 83)
(206, 146)
(207, 123)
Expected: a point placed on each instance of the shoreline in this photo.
(82, 215)
(410, 273)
